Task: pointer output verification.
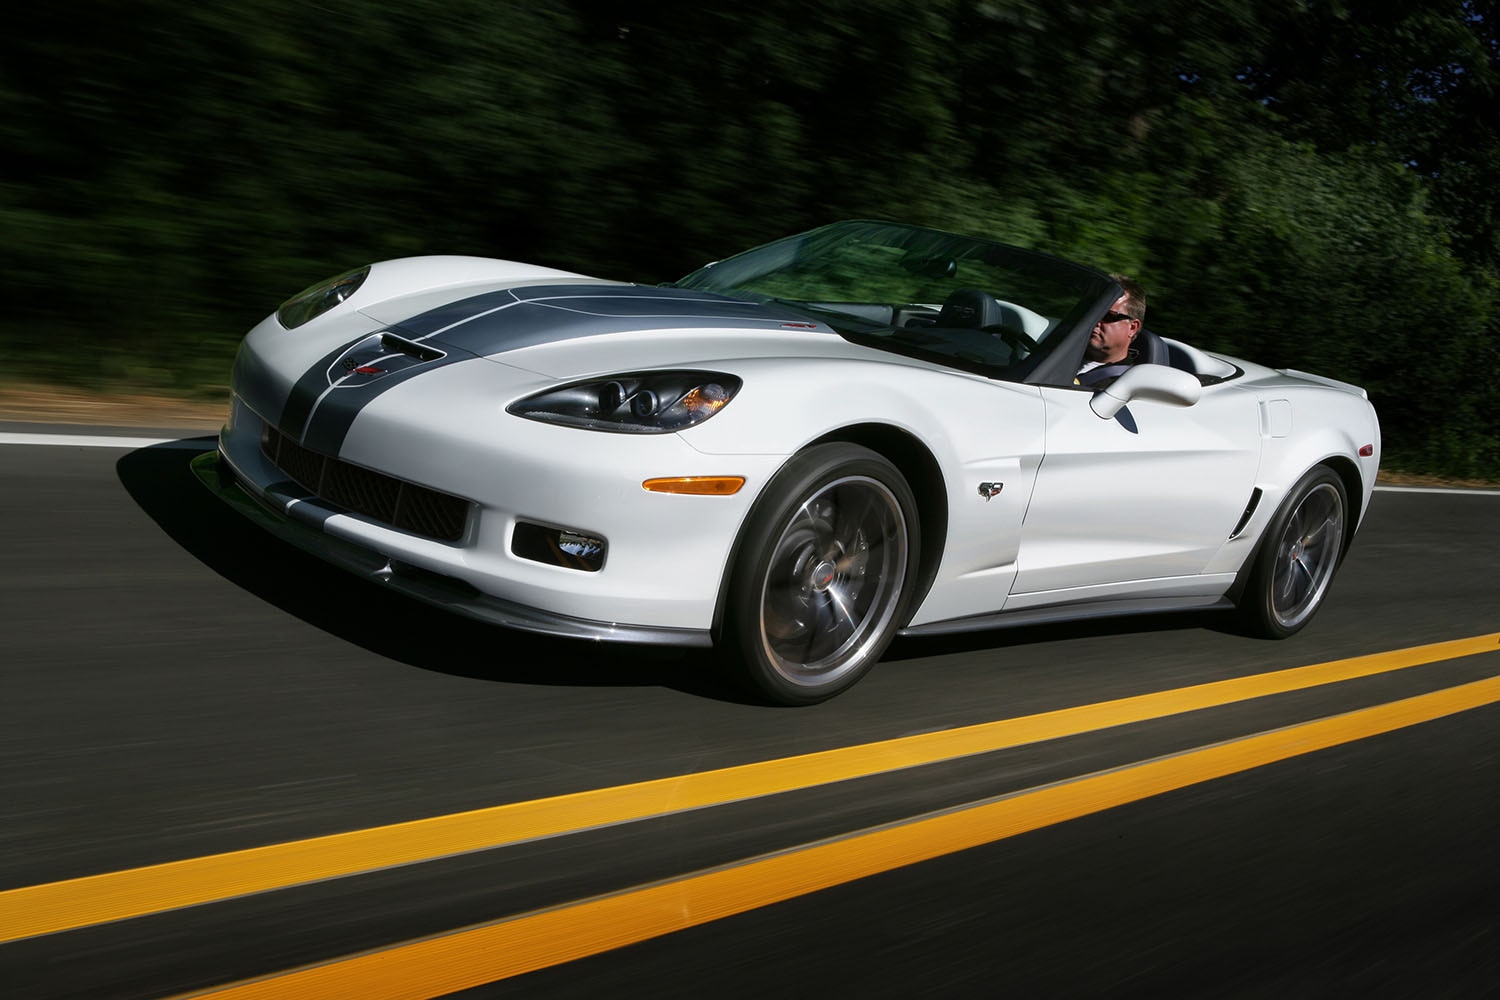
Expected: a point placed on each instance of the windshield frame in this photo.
(900, 275)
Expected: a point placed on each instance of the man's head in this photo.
(1110, 340)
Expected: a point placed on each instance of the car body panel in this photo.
(1037, 505)
(1149, 494)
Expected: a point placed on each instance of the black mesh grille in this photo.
(399, 504)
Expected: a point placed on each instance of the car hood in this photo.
(569, 331)
(507, 320)
(312, 383)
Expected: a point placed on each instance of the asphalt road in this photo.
(177, 687)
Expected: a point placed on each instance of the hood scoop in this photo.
(410, 348)
(377, 356)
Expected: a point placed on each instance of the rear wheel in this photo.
(821, 582)
(1297, 560)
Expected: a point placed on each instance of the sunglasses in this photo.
(1114, 317)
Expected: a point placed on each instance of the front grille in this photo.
(382, 498)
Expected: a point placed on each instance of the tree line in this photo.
(1305, 183)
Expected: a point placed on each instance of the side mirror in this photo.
(1157, 383)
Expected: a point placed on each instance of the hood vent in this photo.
(410, 348)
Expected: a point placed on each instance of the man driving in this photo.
(1111, 350)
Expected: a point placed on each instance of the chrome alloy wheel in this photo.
(833, 581)
(1306, 555)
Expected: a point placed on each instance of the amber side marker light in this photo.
(701, 486)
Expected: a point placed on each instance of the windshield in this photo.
(964, 302)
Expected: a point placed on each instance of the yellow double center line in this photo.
(474, 956)
(81, 902)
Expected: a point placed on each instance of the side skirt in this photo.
(1069, 612)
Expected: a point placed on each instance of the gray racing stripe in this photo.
(336, 411)
(310, 391)
(320, 412)
(306, 392)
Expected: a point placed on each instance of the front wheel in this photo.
(1298, 557)
(823, 574)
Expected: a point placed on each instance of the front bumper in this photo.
(215, 472)
(447, 434)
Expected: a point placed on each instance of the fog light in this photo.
(558, 546)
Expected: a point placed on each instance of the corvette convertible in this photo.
(792, 455)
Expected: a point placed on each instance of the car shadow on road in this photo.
(159, 480)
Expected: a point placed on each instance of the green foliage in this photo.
(1310, 184)
(1333, 264)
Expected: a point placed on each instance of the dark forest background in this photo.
(1309, 184)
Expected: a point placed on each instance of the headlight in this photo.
(643, 403)
(320, 298)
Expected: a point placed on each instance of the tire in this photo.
(1298, 557)
(823, 576)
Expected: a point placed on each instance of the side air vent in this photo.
(1249, 512)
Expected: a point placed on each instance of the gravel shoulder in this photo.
(35, 403)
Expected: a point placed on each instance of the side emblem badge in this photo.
(990, 490)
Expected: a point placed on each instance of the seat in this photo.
(970, 308)
(1149, 349)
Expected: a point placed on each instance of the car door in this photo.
(1127, 504)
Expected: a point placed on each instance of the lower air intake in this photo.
(394, 502)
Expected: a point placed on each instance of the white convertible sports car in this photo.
(795, 453)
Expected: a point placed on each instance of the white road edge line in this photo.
(103, 441)
(1443, 490)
